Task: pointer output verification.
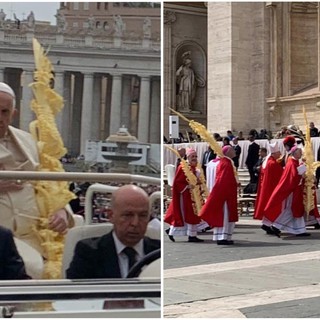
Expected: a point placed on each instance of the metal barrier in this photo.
(78, 176)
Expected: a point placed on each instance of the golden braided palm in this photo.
(202, 131)
(50, 195)
(308, 192)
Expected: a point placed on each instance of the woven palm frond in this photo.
(202, 131)
(308, 196)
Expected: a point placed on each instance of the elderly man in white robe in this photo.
(18, 151)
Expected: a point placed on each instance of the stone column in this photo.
(144, 110)
(169, 19)
(219, 66)
(275, 46)
(59, 88)
(76, 112)
(115, 113)
(126, 102)
(96, 109)
(26, 114)
(86, 114)
(66, 112)
(155, 111)
(107, 114)
(286, 61)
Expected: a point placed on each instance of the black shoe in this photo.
(276, 231)
(267, 229)
(170, 237)
(206, 229)
(317, 226)
(305, 234)
(225, 242)
(194, 239)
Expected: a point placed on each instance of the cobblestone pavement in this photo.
(260, 276)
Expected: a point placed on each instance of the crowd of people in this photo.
(277, 180)
(101, 201)
(290, 130)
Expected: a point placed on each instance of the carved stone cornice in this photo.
(169, 17)
(304, 7)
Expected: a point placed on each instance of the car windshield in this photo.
(139, 296)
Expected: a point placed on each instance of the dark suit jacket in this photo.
(96, 258)
(257, 166)
(11, 264)
(253, 154)
(208, 155)
(237, 149)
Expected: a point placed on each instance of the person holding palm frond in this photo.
(182, 211)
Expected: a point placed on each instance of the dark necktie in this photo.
(207, 157)
(131, 254)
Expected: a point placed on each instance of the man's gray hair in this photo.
(7, 89)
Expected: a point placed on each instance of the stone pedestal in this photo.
(117, 42)
(59, 38)
(88, 40)
(146, 43)
(30, 36)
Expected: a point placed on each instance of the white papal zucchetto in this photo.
(7, 89)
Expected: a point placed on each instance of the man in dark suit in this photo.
(252, 157)
(263, 152)
(237, 149)
(11, 264)
(113, 254)
(208, 155)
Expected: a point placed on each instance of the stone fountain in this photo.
(121, 157)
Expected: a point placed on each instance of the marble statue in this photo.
(147, 28)
(187, 82)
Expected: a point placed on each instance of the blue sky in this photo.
(43, 11)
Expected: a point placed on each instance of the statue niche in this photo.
(187, 81)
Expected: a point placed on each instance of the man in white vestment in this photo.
(18, 152)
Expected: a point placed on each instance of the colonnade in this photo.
(95, 105)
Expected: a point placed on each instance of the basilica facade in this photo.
(253, 65)
(107, 77)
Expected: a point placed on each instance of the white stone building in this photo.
(259, 62)
(106, 81)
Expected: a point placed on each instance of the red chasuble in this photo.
(181, 202)
(268, 180)
(289, 183)
(224, 190)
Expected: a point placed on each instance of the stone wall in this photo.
(180, 36)
(304, 49)
(236, 67)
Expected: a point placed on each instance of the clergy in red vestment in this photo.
(180, 214)
(220, 210)
(289, 216)
(270, 174)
